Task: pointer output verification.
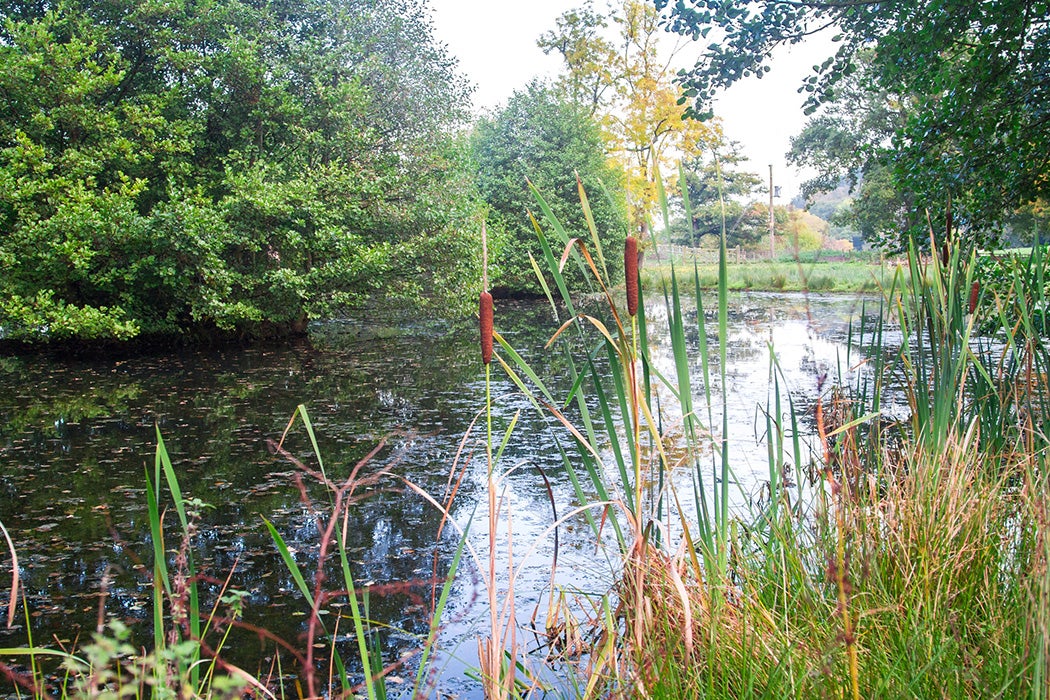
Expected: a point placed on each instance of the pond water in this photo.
(77, 438)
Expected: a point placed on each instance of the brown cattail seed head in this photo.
(485, 316)
(630, 270)
(975, 289)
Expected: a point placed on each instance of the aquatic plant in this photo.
(630, 271)
(892, 554)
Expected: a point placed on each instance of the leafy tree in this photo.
(974, 129)
(548, 140)
(224, 167)
(850, 142)
(1030, 223)
(629, 85)
(721, 192)
(590, 58)
(836, 208)
(803, 231)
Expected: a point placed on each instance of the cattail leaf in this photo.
(289, 562)
(543, 284)
(589, 217)
(565, 253)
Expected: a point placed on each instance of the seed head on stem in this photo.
(630, 270)
(485, 311)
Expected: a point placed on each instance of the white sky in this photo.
(495, 43)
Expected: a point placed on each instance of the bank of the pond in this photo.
(848, 276)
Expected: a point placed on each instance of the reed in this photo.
(485, 317)
(630, 275)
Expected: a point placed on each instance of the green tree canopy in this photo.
(850, 141)
(225, 166)
(720, 191)
(548, 140)
(976, 74)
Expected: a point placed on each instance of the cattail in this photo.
(975, 289)
(630, 269)
(485, 316)
(485, 300)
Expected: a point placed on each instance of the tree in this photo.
(629, 85)
(548, 140)
(835, 207)
(720, 193)
(850, 141)
(223, 168)
(590, 58)
(976, 132)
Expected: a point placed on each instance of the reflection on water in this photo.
(78, 435)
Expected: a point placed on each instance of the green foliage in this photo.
(1016, 289)
(549, 141)
(623, 79)
(228, 167)
(804, 231)
(590, 58)
(1029, 223)
(969, 128)
(719, 193)
(847, 145)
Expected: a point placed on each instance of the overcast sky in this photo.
(495, 42)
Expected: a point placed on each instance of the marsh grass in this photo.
(190, 639)
(186, 658)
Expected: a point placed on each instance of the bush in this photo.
(539, 138)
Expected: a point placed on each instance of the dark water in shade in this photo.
(78, 436)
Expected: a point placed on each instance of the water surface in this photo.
(77, 438)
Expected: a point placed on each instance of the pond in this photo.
(78, 437)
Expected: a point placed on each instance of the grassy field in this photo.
(851, 275)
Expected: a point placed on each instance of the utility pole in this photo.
(772, 246)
